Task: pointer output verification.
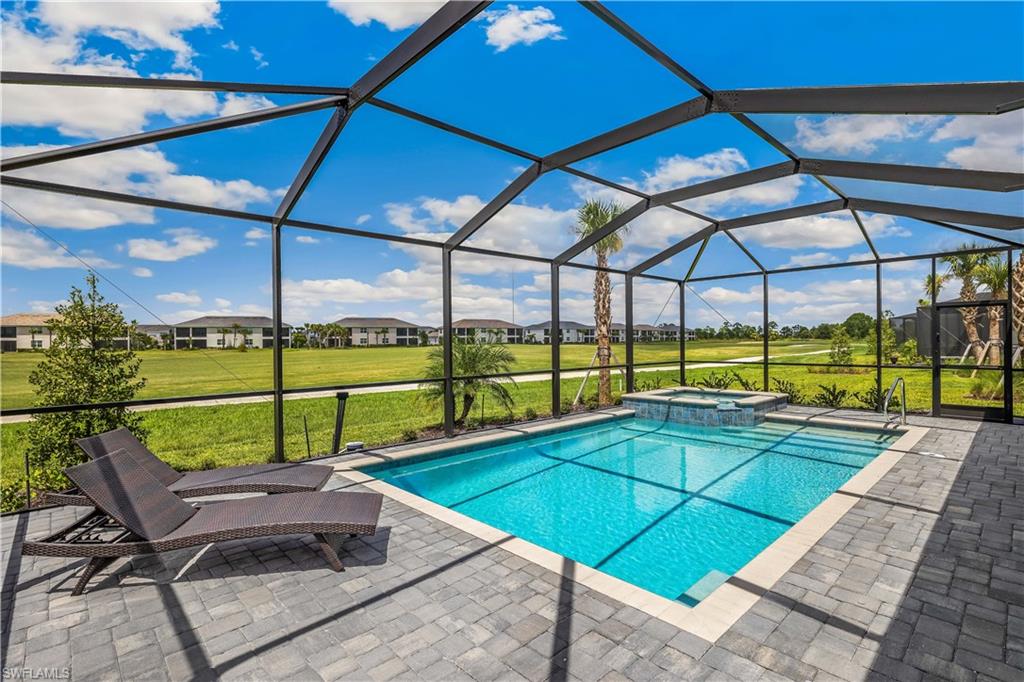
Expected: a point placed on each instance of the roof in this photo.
(26, 319)
(153, 327)
(228, 320)
(562, 324)
(474, 323)
(374, 322)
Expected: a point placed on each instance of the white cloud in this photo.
(184, 242)
(363, 218)
(257, 57)
(244, 309)
(25, 249)
(179, 297)
(394, 15)
(859, 133)
(143, 171)
(238, 103)
(142, 272)
(52, 39)
(45, 306)
(513, 26)
(806, 259)
(306, 239)
(257, 233)
(222, 302)
(230, 45)
(997, 142)
(831, 230)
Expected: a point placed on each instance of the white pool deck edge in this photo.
(717, 612)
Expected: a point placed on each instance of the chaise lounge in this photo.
(249, 478)
(136, 514)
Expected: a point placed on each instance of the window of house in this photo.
(199, 332)
(8, 332)
(181, 332)
(220, 342)
(268, 331)
(37, 343)
(362, 341)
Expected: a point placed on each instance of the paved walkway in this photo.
(526, 378)
(922, 579)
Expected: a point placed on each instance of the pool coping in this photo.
(717, 612)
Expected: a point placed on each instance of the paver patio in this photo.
(922, 579)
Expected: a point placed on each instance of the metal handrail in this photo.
(898, 381)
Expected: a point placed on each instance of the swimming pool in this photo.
(672, 508)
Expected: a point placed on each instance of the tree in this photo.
(840, 353)
(964, 266)
(859, 325)
(235, 330)
(1018, 299)
(33, 331)
(890, 347)
(245, 332)
(590, 217)
(424, 337)
(82, 365)
(932, 287)
(992, 272)
(224, 331)
(470, 359)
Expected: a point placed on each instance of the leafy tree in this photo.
(859, 325)
(424, 337)
(82, 365)
(299, 339)
(470, 359)
(840, 353)
(591, 217)
(890, 347)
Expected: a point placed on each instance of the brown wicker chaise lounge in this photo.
(249, 478)
(136, 514)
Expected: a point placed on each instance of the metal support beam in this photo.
(447, 339)
(751, 177)
(931, 98)
(878, 334)
(630, 370)
(700, 235)
(611, 226)
(555, 337)
(932, 213)
(744, 249)
(936, 351)
(305, 175)
(764, 329)
(990, 181)
(504, 198)
(631, 132)
(682, 333)
(441, 24)
(783, 214)
(696, 258)
(174, 132)
(864, 233)
(132, 83)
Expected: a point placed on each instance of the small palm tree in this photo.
(994, 274)
(591, 217)
(932, 287)
(471, 360)
(224, 331)
(964, 267)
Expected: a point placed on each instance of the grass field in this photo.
(204, 437)
(187, 373)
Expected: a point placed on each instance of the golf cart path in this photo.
(412, 386)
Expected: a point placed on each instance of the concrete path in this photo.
(412, 386)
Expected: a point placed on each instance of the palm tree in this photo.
(964, 267)
(471, 360)
(33, 331)
(590, 217)
(1018, 300)
(235, 330)
(224, 331)
(932, 287)
(993, 274)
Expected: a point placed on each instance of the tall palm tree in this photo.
(932, 286)
(1018, 300)
(471, 359)
(993, 274)
(590, 217)
(964, 267)
(223, 331)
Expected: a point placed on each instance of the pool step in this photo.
(703, 587)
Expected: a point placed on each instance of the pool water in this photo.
(672, 508)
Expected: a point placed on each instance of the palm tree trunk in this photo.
(602, 324)
(969, 316)
(467, 405)
(1017, 304)
(995, 333)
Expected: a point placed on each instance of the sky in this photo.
(537, 76)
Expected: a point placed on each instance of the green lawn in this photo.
(185, 373)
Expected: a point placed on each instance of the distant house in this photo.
(571, 332)
(381, 331)
(154, 331)
(24, 331)
(498, 331)
(219, 331)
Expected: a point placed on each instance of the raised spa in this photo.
(708, 407)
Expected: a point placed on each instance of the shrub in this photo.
(830, 396)
(747, 384)
(409, 435)
(840, 353)
(909, 354)
(987, 386)
(873, 398)
(529, 414)
(719, 381)
(794, 394)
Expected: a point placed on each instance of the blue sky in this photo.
(539, 76)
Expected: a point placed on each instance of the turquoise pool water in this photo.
(672, 508)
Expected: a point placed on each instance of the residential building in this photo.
(155, 331)
(571, 332)
(498, 331)
(381, 331)
(228, 331)
(24, 331)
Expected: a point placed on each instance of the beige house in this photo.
(380, 331)
(221, 332)
(24, 331)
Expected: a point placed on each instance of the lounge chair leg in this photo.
(92, 568)
(329, 543)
